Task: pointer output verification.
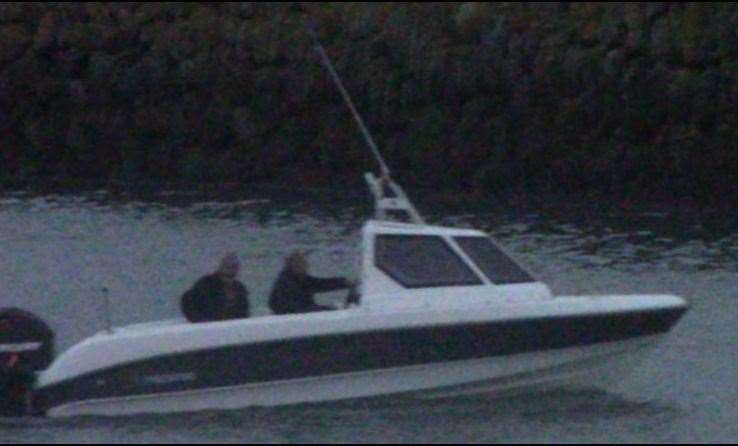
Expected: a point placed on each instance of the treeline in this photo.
(614, 98)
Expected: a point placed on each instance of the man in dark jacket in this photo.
(218, 296)
(294, 289)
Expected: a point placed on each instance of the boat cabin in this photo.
(410, 265)
(413, 263)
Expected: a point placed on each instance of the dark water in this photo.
(56, 252)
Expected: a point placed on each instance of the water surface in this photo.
(58, 251)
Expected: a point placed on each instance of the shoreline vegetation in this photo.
(610, 100)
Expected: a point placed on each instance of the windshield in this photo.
(416, 261)
(494, 263)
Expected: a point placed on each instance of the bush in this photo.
(465, 96)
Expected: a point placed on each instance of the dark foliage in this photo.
(613, 98)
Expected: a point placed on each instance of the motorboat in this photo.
(438, 310)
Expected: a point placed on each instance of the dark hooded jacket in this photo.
(207, 301)
(294, 293)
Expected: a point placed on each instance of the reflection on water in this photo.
(58, 251)
(561, 416)
(687, 241)
(680, 239)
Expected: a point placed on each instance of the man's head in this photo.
(297, 263)
(229, 267)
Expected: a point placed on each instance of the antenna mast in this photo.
(400, 202)
(346, 97)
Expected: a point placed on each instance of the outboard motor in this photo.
(26, 347)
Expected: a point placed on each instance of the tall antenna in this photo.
(400, 201)
(364, 130)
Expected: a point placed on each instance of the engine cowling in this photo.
(26, 347)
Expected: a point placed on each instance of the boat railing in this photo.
(385, 205)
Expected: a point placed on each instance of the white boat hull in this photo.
(596, 365)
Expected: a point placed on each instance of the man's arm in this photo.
(322, 285)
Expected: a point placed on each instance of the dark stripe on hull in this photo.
(345, 353)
